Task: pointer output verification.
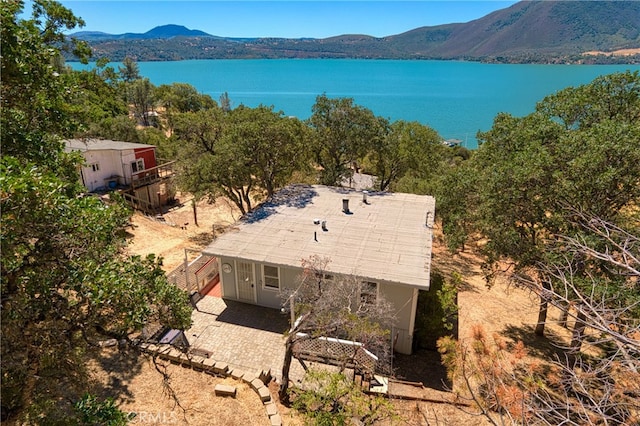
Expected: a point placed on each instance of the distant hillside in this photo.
(528, 31)
(168, 31)
(162, 32)
(540, 28)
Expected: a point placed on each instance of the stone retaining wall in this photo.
(221, 369)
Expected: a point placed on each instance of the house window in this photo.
(138, 165)
(322, 276)
(271, 277)
(95, 167)
(368, 292)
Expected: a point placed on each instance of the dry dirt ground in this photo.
(186, 399)
(621, 52)
(176, 230)
(510, 312)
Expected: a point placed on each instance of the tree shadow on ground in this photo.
(447, 266)
(548, 346)
(202, 238)
(253, 316)
(120, 366)
(422, 366)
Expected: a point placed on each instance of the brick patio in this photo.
(247, 337)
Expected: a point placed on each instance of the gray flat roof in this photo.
(101, 144)
(387, 238)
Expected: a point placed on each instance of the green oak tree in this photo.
(417, 151)
(556, 194)
(342, 134)
(208, 166)
(456, 196)
(182, 97)
(65, 282)
(579, 151)
(34, 93)
(274, 143)
(118, 128)
(244, 154)
(93, 99)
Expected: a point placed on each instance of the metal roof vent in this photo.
(364, 197)
(345, 205)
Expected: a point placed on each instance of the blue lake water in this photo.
(456, 98)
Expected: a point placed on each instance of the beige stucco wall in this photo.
(403, 298)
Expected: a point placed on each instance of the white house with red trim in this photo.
(107, 161)
(128, 166)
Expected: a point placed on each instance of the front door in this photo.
(246, 282)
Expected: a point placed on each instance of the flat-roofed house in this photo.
(382, 238)
(107, 160)
(125, 165)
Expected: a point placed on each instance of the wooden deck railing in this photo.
(328, 350)
(151, 175)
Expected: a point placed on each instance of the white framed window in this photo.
(368, 292)
(95, 167)
(271, 277)
(138, 165)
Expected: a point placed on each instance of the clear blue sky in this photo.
(290, 19)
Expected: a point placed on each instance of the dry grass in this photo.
(169, 238)
(620, 52)
(193, 401)
(507, 311)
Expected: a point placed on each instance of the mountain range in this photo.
(528, 31)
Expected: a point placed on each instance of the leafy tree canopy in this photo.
(65, 281)
(577, 153)
(580, 148)
(342, 134)
(182, 97)
(243, 154)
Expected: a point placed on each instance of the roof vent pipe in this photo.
(364, 197)
(324, 225)
(345, 205)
